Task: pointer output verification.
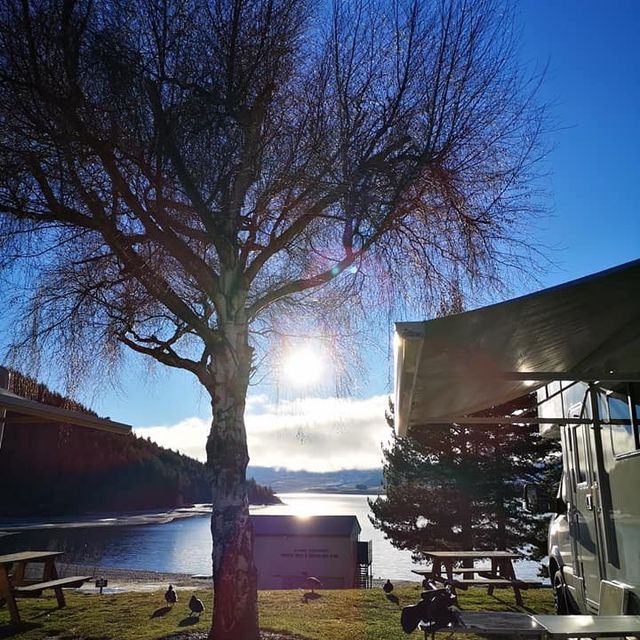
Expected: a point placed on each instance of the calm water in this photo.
(184, 546)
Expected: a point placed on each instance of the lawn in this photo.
(334, 615)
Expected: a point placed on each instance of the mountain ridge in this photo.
(282, 480)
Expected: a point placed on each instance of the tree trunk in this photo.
(235, 611)
(466, 523)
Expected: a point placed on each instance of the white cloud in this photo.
(316, 434)
(188, 436)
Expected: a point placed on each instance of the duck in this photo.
(170, 596)
(196, 606)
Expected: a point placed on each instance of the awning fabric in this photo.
(15, 404)
(451, 367)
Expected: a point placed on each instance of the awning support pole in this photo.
(5, 381)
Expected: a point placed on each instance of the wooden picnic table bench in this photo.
(501, 574)
(14, 581)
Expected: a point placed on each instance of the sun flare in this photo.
(303, 366)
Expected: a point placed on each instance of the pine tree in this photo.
(459, 487)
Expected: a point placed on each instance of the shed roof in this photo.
(452, 367)
(15, 404)
(15, 409)
(287, 525)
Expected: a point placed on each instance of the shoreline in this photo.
(103, 519)
(123, 580)
(127, 580)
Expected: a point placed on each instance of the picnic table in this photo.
(499, 575)
(15, 582)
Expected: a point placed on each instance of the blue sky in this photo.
(592, 85)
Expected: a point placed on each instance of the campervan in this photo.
(578, 346)
(594, 535)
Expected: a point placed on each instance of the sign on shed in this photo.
(289, 549)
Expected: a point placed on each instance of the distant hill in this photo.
(343, 481)
(56, 469)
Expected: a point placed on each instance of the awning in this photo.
(451, 367)
(21, 409)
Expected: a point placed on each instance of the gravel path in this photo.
(135, 580)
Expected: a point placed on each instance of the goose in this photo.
(170, 596)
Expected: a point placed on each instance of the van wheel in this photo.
(561, 595)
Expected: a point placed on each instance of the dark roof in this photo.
(307, 526)
(16, 404)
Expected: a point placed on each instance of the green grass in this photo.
(335, 615)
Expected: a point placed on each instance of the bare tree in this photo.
(185, 177)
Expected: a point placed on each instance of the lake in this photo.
(184, 545)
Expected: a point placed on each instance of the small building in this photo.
(289, 548)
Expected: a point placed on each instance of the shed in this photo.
(289, 548)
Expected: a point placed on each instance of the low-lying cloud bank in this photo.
(316, 434)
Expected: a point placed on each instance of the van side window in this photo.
(623, 438)
(581, 457)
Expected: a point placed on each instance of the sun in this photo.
(303, 367)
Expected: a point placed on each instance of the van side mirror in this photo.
(561, 506)
(537, 501)
(530, 496)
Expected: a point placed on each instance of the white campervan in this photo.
(578, 346)
(594, 537)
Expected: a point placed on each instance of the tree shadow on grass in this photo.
(43, 613)
(17, 629)
(512, 606)
(162, 611)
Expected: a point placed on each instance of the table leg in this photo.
(518, 595)
(18, 573)
(494, 573)
(449, 569)
(507, 570)
(50, 573)
(436, 569)
(6, 592)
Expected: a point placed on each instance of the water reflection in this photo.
(181, 546)
(184, 545)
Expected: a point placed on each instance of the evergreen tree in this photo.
(459, 487)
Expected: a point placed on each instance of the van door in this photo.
(584, 511)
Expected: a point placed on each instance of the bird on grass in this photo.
(170, 596)
(387, 587)
(196, 606)
(311, 582)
